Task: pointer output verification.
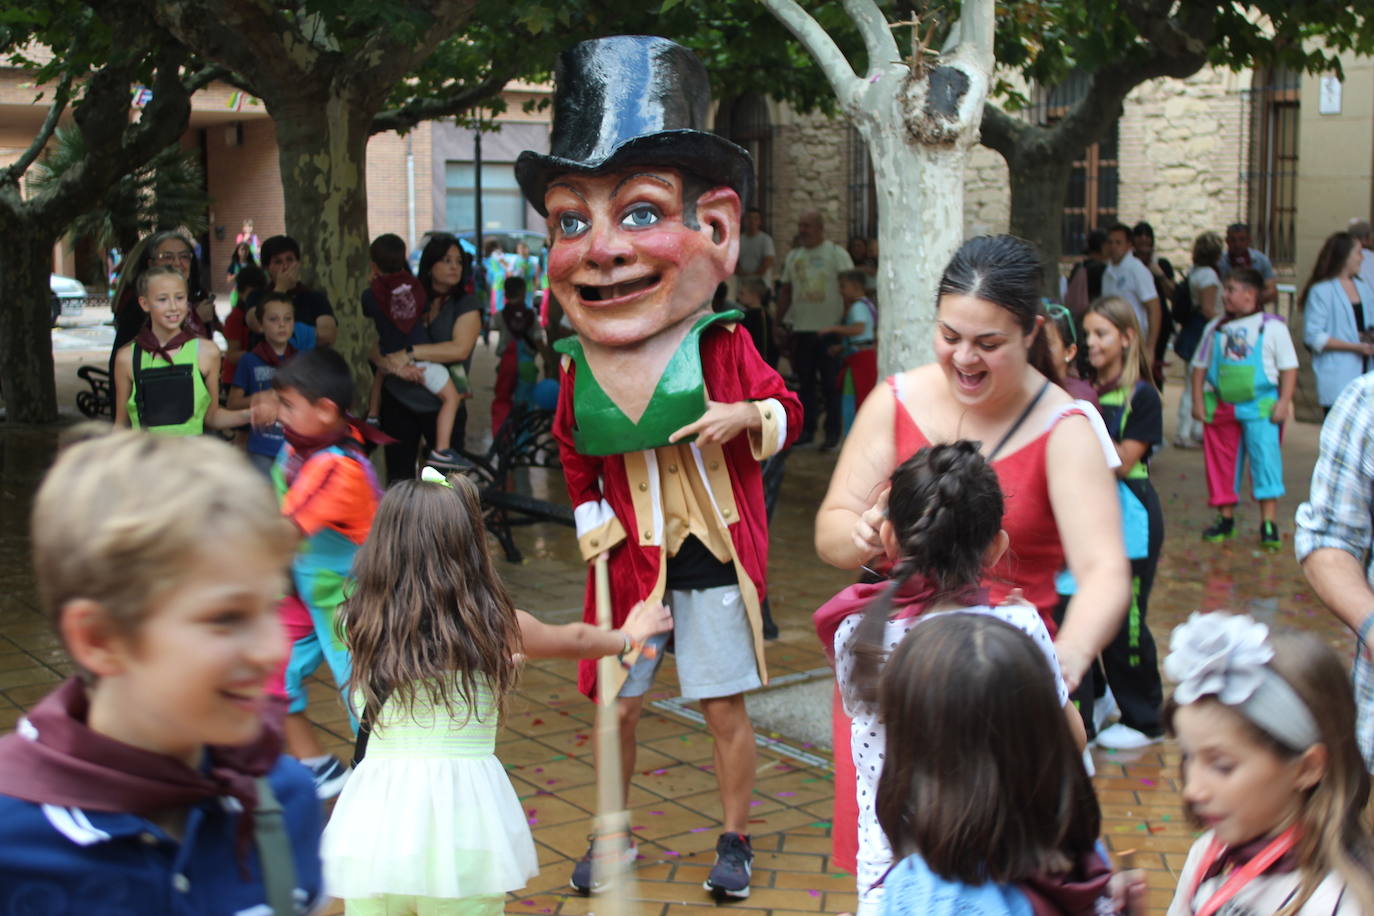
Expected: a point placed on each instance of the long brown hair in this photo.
(428, 612)
(1135, 362)
(1333, 815)
(981, 777)
(1335, 252)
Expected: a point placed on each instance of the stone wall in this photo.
(810, 172)
(987, 198)
(1183, 153)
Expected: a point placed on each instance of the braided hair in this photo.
(945, 508)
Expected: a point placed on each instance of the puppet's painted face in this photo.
(626, 261)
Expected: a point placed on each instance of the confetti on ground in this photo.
(787, 795)
(813, 892)
(1147, 782)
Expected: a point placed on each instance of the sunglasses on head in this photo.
(1057, 311)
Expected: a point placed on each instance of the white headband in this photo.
(1226, 656)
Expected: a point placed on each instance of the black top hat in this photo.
(632, 99)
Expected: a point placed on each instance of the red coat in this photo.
(602, 486)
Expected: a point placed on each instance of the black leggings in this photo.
(408, 427)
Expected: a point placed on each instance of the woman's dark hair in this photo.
(318, 374)
(981, 776)
(1335, 252)
(243, 262)
(945, 507)
(1006, 271)
(429, 612)
(434, 252)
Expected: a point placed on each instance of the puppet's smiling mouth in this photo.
(617, 291)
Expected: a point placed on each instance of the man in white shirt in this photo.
(1131, 280)
(756, 251)
(810, 300)
(1360, 228)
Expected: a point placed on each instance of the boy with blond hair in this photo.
(152, 781)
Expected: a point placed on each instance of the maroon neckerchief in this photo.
(67, 764)
(350, 437)
(913, 596)
(401, 297)
(264, 352)
(1072, 893)
(148, 340)
(1234, 857)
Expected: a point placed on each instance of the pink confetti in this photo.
(787, 794)
(813, 892)
(699, 829)
(1147, 782)
(755, 803)
(671, 852)
(659, 772)
(658, 813)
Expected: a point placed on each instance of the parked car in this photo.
(68, 296)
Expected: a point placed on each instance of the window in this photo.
(1090, 202)
(863, 193)
(744, 120)
(1271, 181)
(503, 207)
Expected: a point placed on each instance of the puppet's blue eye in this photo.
(571, 225)
(640, 217)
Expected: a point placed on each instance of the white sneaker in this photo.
(1104, 708)
(1124, 738)
(1088, 763)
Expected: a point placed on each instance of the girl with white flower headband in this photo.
(1271, 770)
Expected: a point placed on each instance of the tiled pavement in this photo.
(546, 743)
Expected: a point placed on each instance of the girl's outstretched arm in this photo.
(582, 640)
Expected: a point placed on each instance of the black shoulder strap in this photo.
(365, 730)
(1019, 420)
(138, 381)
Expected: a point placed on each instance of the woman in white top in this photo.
(1338, 306)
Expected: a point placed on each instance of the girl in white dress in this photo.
(429, 823)
(1272, 772)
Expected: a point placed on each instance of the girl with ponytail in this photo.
(943, 529)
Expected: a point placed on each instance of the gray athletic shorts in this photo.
(714, 646)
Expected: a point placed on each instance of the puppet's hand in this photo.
(721, 423)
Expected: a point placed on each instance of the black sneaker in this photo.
(330, 775)
(729, 877)
(1223, 529)
(582, 880)
(447, 458)
(1269, 536)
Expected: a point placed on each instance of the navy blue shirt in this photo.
(70, 862)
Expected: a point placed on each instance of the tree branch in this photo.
(205, 76)
(61, 95)
(876, 33)
(821, 46)
(459, 101)
(386, 57)
(1002, 132)
(977, 27)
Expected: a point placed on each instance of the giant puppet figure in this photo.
(665, 409)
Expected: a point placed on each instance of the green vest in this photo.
(157, 377)
(1117, 397)
(601, 428)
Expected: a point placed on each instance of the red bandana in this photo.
(265, 353)
(401, 298)
(148, 340)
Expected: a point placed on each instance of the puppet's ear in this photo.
(718, 214)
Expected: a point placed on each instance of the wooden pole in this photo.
(610, 871)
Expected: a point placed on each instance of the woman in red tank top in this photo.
(990, 383)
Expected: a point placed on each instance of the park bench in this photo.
(525, 440)
(99, 401)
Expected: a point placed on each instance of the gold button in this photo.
(595, 542)
(727, 513)
(672, 469)
(648, 535)
(715, 465)
(768, 414)
(643, 487)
